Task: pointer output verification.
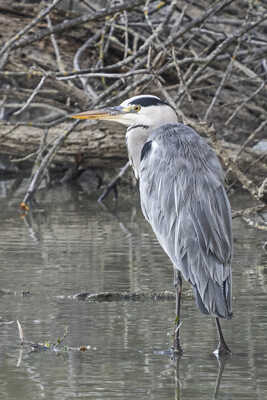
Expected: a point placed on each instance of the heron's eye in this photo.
(136, 107)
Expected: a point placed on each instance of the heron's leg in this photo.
(222, 349)
(178, 288)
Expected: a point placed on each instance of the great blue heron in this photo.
(183, 198)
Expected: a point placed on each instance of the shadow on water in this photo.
(70, 244)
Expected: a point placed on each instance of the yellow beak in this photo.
(112, 113)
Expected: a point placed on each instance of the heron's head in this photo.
(145, 110)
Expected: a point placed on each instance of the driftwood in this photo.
(206, 59)
(100, 145)
(103, 145)
(130, 296)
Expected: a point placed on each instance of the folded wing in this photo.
(184, 200)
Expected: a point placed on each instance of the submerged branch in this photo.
(113, 184)
(131, 296)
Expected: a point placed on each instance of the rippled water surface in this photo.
(70, 244)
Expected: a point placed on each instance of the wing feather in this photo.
(184, 200)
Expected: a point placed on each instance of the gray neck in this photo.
(136, 137)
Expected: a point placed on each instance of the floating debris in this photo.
(59, 346)
(130, 296)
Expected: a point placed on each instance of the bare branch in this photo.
(66, 25)
(41, 170)
(204, 58)
(13, 41)
(30, 99)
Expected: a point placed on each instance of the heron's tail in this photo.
(216, 299)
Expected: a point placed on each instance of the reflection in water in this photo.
(221, 365)
(178, 384)
(70, 244)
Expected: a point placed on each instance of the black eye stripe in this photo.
(147, 101)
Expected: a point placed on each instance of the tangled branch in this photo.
(205, 58)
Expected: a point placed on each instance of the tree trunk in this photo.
(101, 144)
(96, 147)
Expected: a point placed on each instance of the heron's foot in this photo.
(177, 350)
(222, 350)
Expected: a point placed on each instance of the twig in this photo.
(70, 91)
(248, 211)
(144, 46)
(247, 183)
(263, 191)
(13, 42)
(55, 45)
(250, 138)
(126, 35)
(255, 224)
(223, 80)
(183, 85)
(76, 64)
(112, 185)
(12, 130)
(222, 47)
(245, 102)
(104, 75)
(215, 8)
(25, 158)
(38, 175)
(66, 25)
(4, 59)
(30, 99)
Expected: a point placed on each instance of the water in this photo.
(70, 245)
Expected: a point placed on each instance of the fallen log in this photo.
(130, 296)
(98, 147)
(102, 145)
(94, 145)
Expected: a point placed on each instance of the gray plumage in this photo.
(184, 200)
